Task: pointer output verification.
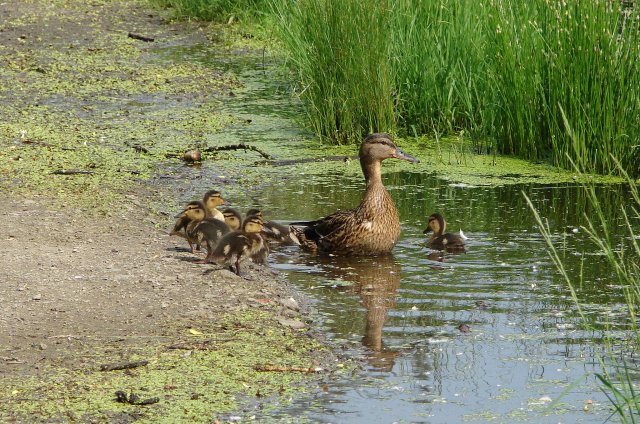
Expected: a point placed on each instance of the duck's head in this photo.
(380, 146)
(195, 211)
(253, 224)
(436, 223)
(212, 199)
(232, 218)
(254, 212)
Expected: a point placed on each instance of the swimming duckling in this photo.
(201, 230)
(275, 232)
(372, 228)
(232, 218)
(280, 234)
(238, 246)
(441, 240)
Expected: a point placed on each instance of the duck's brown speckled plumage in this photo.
(373, 227)
(439, 239)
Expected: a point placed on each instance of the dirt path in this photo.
(87, 277)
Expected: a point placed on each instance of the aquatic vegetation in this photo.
(87, 119)
(207, 374)
(502, 72)
(214, 10)
(339, 55)
(619, 376)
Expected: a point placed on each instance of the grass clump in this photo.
(500, 72)
(339, 53)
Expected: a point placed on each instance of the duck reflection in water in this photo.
(375, 280)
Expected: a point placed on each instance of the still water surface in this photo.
(524, 347)
(525, 356)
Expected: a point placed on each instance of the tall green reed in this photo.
(576, 57)
(437, 49)
(619, 378)
(502, 71)
(339, 53)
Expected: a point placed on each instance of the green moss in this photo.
(96, 102)
(194, 385)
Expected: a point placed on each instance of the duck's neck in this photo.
(375, 195)
(372, 171)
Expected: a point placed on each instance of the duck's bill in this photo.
(405, 156)
(180, 215)
(427, 231)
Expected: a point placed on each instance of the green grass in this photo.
(499, 72)
(339, 55)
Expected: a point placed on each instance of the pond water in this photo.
(524, 347)
(490, 335)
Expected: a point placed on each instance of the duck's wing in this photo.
(330, 228)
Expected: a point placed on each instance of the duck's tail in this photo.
(299, 235)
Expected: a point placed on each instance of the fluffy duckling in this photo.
(273, 231)
(200, 230)
(238, 246)
(211, 199)
(439, 239)
(373, 227)
(232, 218)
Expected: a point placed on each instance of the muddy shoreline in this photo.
(90, 276)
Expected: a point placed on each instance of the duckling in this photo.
(232, 218)
(180, 227)
(372, 228)
(211, 199)
(253, 212)
(275, 232)
(280, 234)
(201, 230)
(441, 240)
(238, 246)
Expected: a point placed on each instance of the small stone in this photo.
(289, 313)
(464, 328)
(290, 303)
(37, 297)
(291, 323)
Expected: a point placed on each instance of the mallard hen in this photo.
(373, 227)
